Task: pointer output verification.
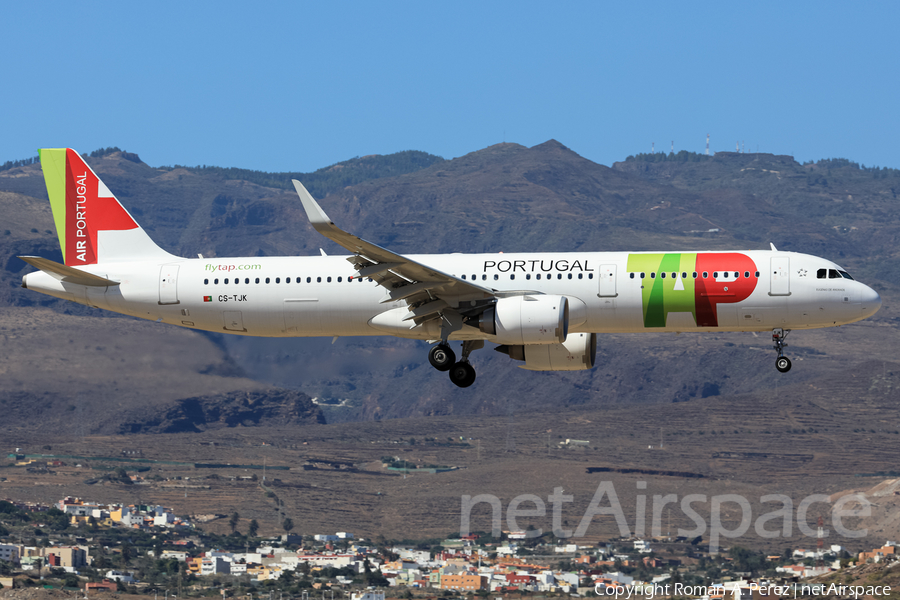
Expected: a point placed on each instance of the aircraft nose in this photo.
(870, 301)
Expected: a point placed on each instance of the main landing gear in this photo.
(782, 362)
(443, 358)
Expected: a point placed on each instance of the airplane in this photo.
(543, 309)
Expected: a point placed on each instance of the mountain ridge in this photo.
(507, 197)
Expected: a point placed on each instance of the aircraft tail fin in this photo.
(92, 225)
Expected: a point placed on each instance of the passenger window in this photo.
(746, 274)
(278, 280)
(652, 275)
(590, 275)
(496, 277)
(559, 275)
(663, 275)
(463, 276)
(257, 280)
(328, 279)
(695, 274)
(339, 280)
(580, 275)
(538, 276)
(483, 277)
(715, 274)
(226, 281)
(216, 281)
(570, 276)
(631, 275)
(833, 274)
(642, 274)
(820, 274)
(528, 276)
(674, 275)
(206, 282)
(684, 275)
(309, 280)
(757, 274)
(511, 277)
(705, 274)
(318, 280)
(246, 280)
(267, 280)
(237, 280)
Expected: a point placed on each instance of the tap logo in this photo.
(670, 284)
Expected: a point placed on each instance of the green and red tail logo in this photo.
(82, 205)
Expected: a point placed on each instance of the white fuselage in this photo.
(323, 296)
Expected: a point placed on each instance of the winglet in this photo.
(314, 212)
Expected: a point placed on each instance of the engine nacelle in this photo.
(527, 320)
(577, 353)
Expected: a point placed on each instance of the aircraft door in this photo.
(301, 316)
(168, 284)
(234, 321)
(607, 283)
(780, 276)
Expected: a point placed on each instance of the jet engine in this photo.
(527, 320)
(577, 353)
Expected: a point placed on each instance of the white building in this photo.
(176, 554)
(327, 560)
(368, 596)
(9, 553)
(123, 576)
(161, 520)
(210, 565)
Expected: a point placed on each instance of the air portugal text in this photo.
(535, 265)
(81, 216)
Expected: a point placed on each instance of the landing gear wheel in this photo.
(462, 374)
(783, 364)
(442, 357)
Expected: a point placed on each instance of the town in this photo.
(147, 549)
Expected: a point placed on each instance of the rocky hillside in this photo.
(503, 198)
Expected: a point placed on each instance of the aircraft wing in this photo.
(425, 288)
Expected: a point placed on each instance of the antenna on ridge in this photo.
(707, 144)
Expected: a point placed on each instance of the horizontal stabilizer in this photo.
(67, 274)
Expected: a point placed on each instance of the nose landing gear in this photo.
(782, 362)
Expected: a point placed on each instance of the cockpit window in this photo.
(845, 275)
(833, 274)
(820, 274)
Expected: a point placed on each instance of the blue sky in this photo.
(297, 86)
